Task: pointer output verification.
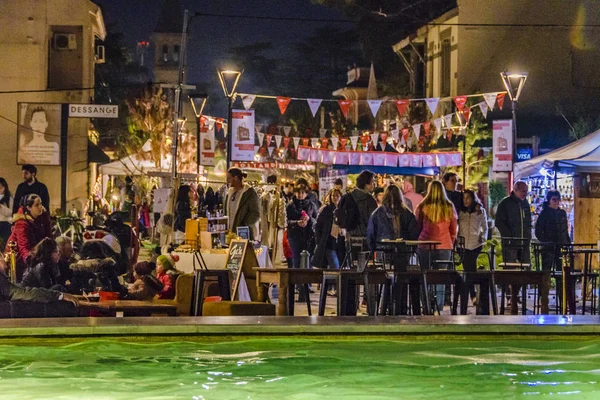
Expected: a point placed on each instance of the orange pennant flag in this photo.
(460, 102)
(401, 105)
(283, 102)
(305, 141)
(500, 100)
(426, 127)
(345, 106)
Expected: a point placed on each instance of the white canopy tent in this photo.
(134, 165)
(583, 155)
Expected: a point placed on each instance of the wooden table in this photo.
(131, 307)
(285, 279)
(520, 278)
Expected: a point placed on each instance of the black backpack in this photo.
(347, 213)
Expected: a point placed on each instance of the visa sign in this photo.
(524, 154)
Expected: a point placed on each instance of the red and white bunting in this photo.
(345, 106)
(467, 115)
(354, 142)
(322, 132)
(448, 120)
(484, 108)
(314, 105)
(270, 150)
(426, 127)
(490, 99)
(417, 130)
(432, 103)
(296, 142)
(305, 141)
(401, 106)
(374, 106)
(258, 127)
(438, 125)
(286, 142)
(278, 141)
(460, 102)
(247, 100)
(261, 137)
(314, 142)
(211, 124)
(374, 138)
(269, 136)
(286, 130)
(404, 135)
(501, 100)
(324, 143)
(334, 142)
(343, 142)
(283, 103)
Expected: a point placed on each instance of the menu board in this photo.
(241, 260)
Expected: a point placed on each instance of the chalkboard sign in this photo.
(241, 260)
(243, 232)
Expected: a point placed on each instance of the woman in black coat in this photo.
(301, 214)
(328, 237)
(552, 226)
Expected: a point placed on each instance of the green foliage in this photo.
(497, 191)
(583, 126)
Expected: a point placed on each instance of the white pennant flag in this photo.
(248, 99)
(278, 140)
(375, 138)
(484, 108)
(374, 106)
(314, 142)
(463, 130)
(261, 137)
(296, 142)
(396, 134)
(334, 141)
(256, 149)
(417, 129)
(286, 130)
(314, 105)
(258, 127)
(354, 141)
(438, 125)
(448, 120)
(490, 99)
(432, 103)
(270, 151)
(322, 132)
(211, 124)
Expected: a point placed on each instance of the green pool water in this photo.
(292, 368)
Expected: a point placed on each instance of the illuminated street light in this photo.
(514, 82)
(229, 80)
(198, 101)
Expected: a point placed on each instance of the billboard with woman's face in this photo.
(38, 133)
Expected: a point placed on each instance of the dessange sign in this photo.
(93, 111)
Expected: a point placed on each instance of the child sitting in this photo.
(167, 275)
(146, 286)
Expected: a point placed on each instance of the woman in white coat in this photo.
(472, 225)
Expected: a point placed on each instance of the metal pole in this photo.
(514, 144)
(198, 146)
(177, 104)
(229, 129)
(464, 174)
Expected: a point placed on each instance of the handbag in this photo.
(243, 133)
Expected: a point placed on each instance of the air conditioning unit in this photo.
(100, 54)
(64, 41)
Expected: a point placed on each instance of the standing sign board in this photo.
(241, 261)
(503, 145)
(242, 131)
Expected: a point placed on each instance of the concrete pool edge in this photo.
(301, 326)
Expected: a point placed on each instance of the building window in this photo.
(176, 53)
(165, 53)
(445, 68)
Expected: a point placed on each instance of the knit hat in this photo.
(166, 261)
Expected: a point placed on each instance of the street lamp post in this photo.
(229, 80)
(198, 101)
(513, 82)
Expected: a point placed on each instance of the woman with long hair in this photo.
(183, 211)
(26, 233)
(328, 235)
(43, 267)
(6, 207)
(438, 221)
(472, 225)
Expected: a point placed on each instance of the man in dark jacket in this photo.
(364, 200)
(552, 226)
(449, 181)
(513, 220)
(30, 185)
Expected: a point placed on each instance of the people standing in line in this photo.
(183, 212)
(408, 192)
(328, 235)
(365, 202)
(43, 271)
(301, 217)
(450, 180)
(472, 225)
(30, 185)
(552, 226)
(26, 233)
(437, 220)
(513, 220)
(6, 210)
(242, 204)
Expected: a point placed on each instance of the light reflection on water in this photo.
(299, 368)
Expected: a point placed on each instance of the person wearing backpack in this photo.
(358, 202)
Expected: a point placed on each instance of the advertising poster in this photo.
(207, 143)
(242, 140)
(38, 133)
(503, 145)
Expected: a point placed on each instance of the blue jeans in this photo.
(333, 262)
(426, 257)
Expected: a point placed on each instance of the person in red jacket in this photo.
(27, 231)
(167, 275)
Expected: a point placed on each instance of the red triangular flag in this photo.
(286, 142)
(401, 105)
(426, 126)
(467, 114)
(324, 143)
(500, 100)
(405, 134)
(343, 142)
(305, 141)
(345, 106)
(219, 123)
(460, 102)
(283, 102)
